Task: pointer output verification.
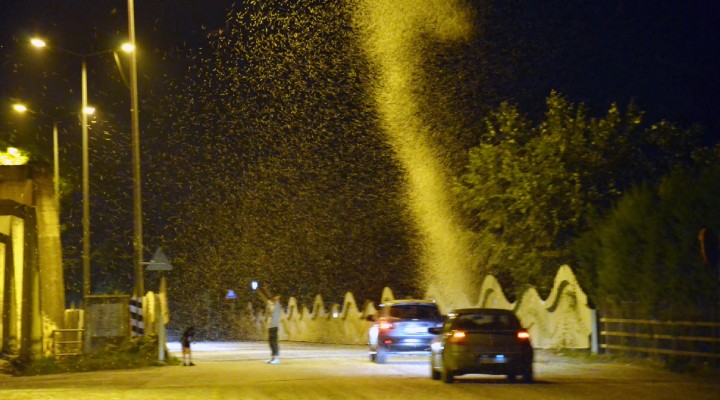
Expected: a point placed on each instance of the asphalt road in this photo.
(309, 371)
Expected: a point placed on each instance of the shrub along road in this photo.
(311, 371)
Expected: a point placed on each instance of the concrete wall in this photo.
(562, 320)
(32, 293)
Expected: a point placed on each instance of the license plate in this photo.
(416, 329)
(492, 360)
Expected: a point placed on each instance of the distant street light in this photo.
(37, 42)
(21, 108)
(86, 110)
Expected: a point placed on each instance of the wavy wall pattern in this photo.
(562, 320)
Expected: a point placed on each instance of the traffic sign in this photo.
(159, 262)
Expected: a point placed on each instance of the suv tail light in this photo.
(385, 325)
(523, 335)
(457, 337)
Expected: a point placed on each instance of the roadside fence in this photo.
(696, 341)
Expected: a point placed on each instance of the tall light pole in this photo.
(85, 184)
(21, 108)
(137, 189)
(85, 157)
(56, 166)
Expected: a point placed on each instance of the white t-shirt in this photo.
(275, 319)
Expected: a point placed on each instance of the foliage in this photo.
(529, 190)
(132, 353)
(646, 251)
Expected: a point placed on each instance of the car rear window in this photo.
(486, 322)
(415, 311)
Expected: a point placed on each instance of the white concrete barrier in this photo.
(562, 320)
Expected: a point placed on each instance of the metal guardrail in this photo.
(680, 338)
(67, 342)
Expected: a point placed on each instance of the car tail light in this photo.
(523, 335)
(457, 337)
(385, 325)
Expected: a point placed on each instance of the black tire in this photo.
(447, 375)
(528, 375)
(435, 375)
(381, 355)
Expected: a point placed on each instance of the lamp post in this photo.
(21, 108)
(85, 185)
(39, 43)
(137, 189)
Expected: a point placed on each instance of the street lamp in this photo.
(21, 108)
(39, 43)
(137, 188)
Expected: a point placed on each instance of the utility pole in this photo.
(137, 189)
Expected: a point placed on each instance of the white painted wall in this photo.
(562, 320)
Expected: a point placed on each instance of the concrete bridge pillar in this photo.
(32, 293)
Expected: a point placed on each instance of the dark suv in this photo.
(401, 327)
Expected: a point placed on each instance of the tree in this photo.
(646, 251)
(529, 190)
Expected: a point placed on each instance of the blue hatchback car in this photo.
(402, 327)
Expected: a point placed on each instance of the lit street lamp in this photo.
(39, 43)
(21, 108)
(137, 187)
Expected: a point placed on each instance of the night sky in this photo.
(162, 28)
(664, 55)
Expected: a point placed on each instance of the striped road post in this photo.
(136, 316)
